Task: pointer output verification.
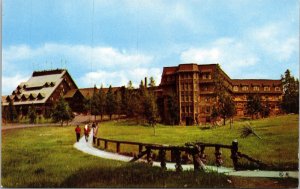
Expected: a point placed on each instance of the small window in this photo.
(235, 88)
(267, 88)
(255, 88)
(277, 88)
(245, 88)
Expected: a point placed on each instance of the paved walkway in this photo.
(87, 147)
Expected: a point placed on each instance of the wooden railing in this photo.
(195, 149)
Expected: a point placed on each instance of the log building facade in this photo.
(195, 88)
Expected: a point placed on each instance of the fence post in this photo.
(178, 166)
(149, 155)
(118, 147)
(105, 144)
(162, 157)
(234, 155)
(140, 148)
(202, 155)
(218, 154)
(98, 141)
(195, 153)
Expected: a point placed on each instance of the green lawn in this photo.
(45, 157)
(278, 146)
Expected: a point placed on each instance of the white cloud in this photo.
(120, 77)
(10, 83)
(230, 53)
(276, 40)
(100, 64)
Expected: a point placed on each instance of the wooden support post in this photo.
(202, 154)
(162, 157)
(195, 159)
(218, 154)
(105, 144)
(140, 148)
(118, 147)
(149, 156)
(234, 154)
(177, 155)
(98, 141)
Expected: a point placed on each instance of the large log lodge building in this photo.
(193, 84)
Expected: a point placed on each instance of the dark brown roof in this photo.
(88, 92)
(70, 93)
(188, 67)
(169, 70)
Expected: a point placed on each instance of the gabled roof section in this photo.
(38, 88)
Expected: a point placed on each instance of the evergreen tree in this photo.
(172, 110)
(12, 112)
(94, 103)
(290, 100)
(101, 102)
(118, 103)
(32, 114)
(129, 85)
(110, 102)
(226, 107)
(152, 82)
(151, 112)
(253, 105)
(62, 112)
(265, 109)
(214, 114)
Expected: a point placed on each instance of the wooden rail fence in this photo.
(195, 149)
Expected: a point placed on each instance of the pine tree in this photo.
(32, 114)
(12, 114)
(62, 112)
(94, 103)
(253, 105)
(152, 82)
(118, 103)
(290, 100)
(101, 102)
(110, 102)
(226, 107)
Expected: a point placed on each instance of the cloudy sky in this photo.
(114, 41)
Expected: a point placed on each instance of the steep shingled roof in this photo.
(39, 87)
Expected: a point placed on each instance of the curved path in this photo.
(87, 147)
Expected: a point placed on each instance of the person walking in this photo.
(86, 132)
(77, 131)
(95, 131)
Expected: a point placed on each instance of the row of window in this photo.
(255, 88)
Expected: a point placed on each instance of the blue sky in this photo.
(114, 41)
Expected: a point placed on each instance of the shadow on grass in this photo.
(142, 175)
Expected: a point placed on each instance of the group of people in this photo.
(86, 131)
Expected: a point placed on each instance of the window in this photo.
(209, 76)
(235, 88)
(277, 88)
(267, 88)
(256, 88)
(245, 88)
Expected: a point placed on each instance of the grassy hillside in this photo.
(278, 146)
(45, 157)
